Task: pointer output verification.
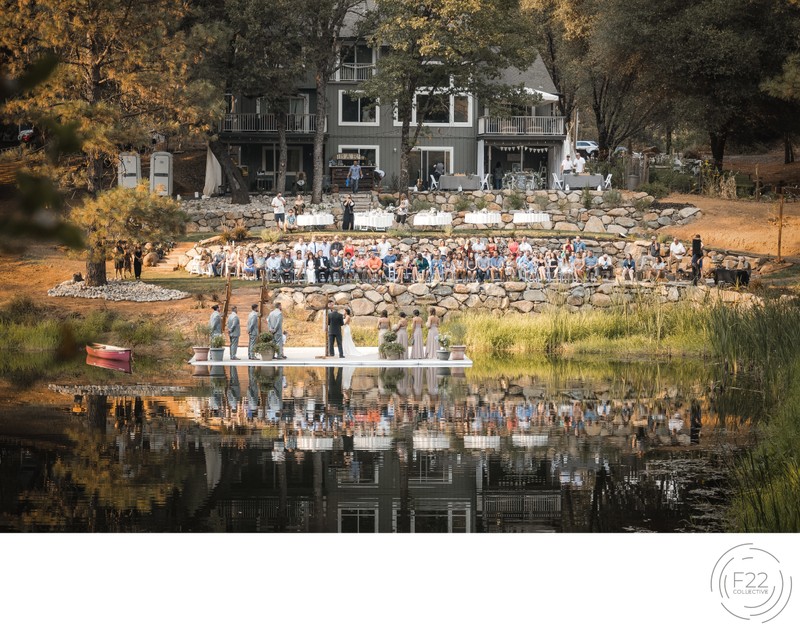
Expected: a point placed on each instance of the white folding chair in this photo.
(485, 186)
(434, 183)
(558, 183)
(607, 183)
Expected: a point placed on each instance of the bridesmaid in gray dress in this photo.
(433, 335)
(417, 345)
(383, 326)
(401, 328)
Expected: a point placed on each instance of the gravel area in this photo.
(117, 291)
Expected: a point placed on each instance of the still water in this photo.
(566, 447)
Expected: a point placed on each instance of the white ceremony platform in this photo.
(311, 356)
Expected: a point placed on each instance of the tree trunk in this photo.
(283, 152)
(405, 155)
(718, 149)
(668, 147)
(788, 150)
(319, 136)
(96, 265)
(239, 193)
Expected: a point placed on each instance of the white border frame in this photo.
(450, 150)
(470, 112)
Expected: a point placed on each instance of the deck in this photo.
(313, 356)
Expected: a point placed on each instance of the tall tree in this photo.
(119, 76)
(321, 23)
(442, 49)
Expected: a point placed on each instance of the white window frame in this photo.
(359, 147)
(343, 123)
(450, 150)
(339, 62)
(470, 111)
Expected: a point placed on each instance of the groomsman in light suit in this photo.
(252, 331)
(234, 331)
(275, 326)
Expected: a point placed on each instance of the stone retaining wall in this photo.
(367, 301)
(617, 213)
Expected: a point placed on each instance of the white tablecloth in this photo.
(529, 217)
(433, 219)
(320, 219)
(377, 221)
(484, 218)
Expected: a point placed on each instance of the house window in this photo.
(452, 110)
(370, 153)
(460, 109)
(357, 109)
(434, 108)
(357, 63)
(358, 520)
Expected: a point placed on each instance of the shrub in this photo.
(656, 189)
(642, 204)
(265, 345)
(240, 233)
(419, 205)
(541, 201)
(515, 201)
(612, 198)
(387, 200)
(480, 203)
(217, 342)
(587, 199)
(462, 204)
(270, 235)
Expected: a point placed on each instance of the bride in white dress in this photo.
(348, 346)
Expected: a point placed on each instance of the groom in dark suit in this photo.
(335, 324)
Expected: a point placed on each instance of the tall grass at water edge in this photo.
(642, 329)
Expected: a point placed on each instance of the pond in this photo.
(503, 447)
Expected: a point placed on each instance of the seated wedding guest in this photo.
(326, 248)
(421, 268)
(302, 246)
(442, 248)
(510, 267)
(580, 267)
(287, 267)
(383, 248)
(310, 268)
(658, 269)
(322, 267)
(478, 247)
(336, 264)
(552, 266)
(337, 245)
(541, 267)
(526, 247)
(513, 247)
(390, 263)
(676, 253)
(273, 267)
(261, 264)
(375, 267)
(361, 266)
(565, 270)
(299, 205)
(591, 266)
(605, 266)
(522, 266)
(491, 247)
(349, 248)
(628, 268)
(449, 268)
(578, 245)
(497, 264)
(300, 266)
(484, 266)
(472, 267)
(404, 264)
(249, 268)
(459, 267)
(349, 267)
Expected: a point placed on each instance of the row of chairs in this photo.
(558, 183)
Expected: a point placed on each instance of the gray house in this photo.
(466, 137)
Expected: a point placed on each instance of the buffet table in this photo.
(373, 221)
(315, 219)
(531, 217)
(433, 219)
(466, 182)
(482, 218)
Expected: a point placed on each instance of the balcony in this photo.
(521, 126)
(355, 72)
(268, 124)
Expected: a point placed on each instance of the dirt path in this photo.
(740, 225)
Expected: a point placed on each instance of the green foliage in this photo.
(612, 197)
(270, 235)
(266, 345)
(419, 205)
(641, 204)
(480, 203)
(587, 199)
(218, 341)
(541, 201)
(457, 331)
(515, 201)
(462, 204)
(655, 189)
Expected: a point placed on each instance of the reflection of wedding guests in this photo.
(417, 344)
(335, 323)
(234, 330)
(215, 323)
(348, 207)
(432, 344)
(275, 326)
(252, 331)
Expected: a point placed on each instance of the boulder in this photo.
(566, 226)
(316, 301)
(419, 289)
(600, 300)
(492, 289)
(449, 303)
(687, 212)
(524, 306)
(515, 286)
(461, 289)
(534, 295)
(373, 296)
(594, 224)
(341, 298)
(395, 289)
(362, 307)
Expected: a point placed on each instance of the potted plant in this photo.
(458, 334)
(217, 350)
(444, 348)
(390, 349)
(201, 333)
(266, 346)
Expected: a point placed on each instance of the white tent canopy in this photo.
(547, 97)
(213, 175)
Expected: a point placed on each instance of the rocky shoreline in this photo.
(117, 291)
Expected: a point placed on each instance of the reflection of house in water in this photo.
(414, 451)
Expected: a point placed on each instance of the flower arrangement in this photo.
(265, 345)
(390, 348)
(444, 342)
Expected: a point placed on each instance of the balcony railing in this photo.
(356, 72)
(268, 123)
(521, 126)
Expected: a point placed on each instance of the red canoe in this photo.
(106, 351)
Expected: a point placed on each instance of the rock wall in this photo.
(368, 301)
(617, 213)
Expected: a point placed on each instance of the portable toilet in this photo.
(161, 173)
(129, 170)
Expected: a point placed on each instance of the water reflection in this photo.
(390, 450)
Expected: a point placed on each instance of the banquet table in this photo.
(315, 219)
(530, 217)
(482, 217)
(466, 182)
(374, 221)
(433, 219)
(583, 180)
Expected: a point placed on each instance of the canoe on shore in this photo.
(106, 351)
